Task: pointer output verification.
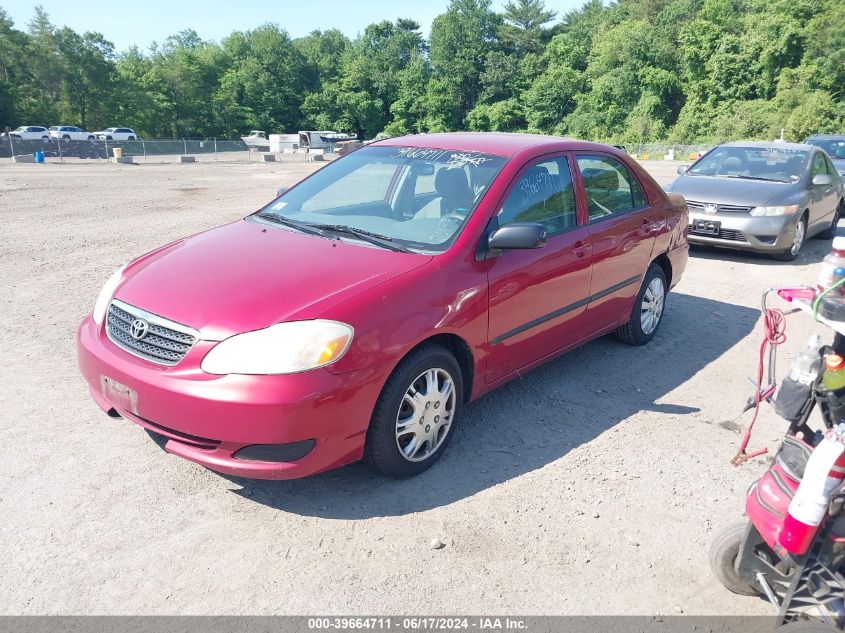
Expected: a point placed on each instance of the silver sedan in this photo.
(762, 197)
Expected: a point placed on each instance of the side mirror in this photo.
(682, 169)
(822, 180)
(281, 190)
(518, 235)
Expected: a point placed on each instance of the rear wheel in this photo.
(131, 138)
(798, 238)
(723, 555)
(414, 416)
(66, 137)
(648, 309)
(830, 232)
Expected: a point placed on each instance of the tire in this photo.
(65, 138)
(638, 330)
(791, 253)
(830, 232)
(108, 138)
(388, 437)
(723, 553)
(806, 626)
(91, 139)
(130, 138)
(45, 139)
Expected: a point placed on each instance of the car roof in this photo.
(770, 144)
(496, 143)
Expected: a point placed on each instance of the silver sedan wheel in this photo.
(798, 239)
(652, 305)
(425, 415)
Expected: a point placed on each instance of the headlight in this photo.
(763, 211)
(102, 303)
(284, 348)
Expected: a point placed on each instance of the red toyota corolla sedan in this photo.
(357, 313)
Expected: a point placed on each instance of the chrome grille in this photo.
(164, 342)
(720, 208)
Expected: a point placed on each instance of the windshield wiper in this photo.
(305, 227)
(366, 236)
(752, 178)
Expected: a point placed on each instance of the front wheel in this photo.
(647, 313)
(798, 238)
(414, 416)
(131, 138)
(723, 555)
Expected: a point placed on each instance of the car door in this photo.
(622, 228)
(822, 197)
(538, 296)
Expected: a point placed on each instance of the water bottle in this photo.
(805, 367)
(832, 261)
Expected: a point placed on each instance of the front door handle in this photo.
(580, 249)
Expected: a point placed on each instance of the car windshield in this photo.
(417, 198)
(54, 128)
(835, 147)
(20, 129)
(777, 164)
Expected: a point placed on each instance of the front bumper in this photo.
(745, 232)
(207, 419)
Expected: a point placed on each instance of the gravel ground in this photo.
(592, 485)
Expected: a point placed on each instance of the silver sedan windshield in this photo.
(777, 164)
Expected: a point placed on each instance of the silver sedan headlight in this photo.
(781, 210)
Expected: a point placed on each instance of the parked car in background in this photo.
(763, 197)
(834, 145)
(30, 133)
(116, 134)
(354, 315)
(70, 133)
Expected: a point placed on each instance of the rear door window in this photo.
(609, 186)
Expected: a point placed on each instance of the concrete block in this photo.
(315, 158)
(268, 158)
(187, 159)
(23, 158)
(123, 160)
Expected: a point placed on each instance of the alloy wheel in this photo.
(651, 309)
(425, 415)
(798, 239)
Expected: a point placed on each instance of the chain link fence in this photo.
(140, 151)
(226, 150)
(664, 151)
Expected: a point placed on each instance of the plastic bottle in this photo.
(833, 260)
(806, 365)
(809, 505)
(833, 378)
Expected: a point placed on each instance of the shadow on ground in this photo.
(533, 420)
(813, 252)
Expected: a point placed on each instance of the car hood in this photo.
(248, 275)
(737, 191)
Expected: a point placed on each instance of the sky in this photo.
(145, 21)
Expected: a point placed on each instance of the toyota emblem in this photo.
(139, 329)
(710, 208)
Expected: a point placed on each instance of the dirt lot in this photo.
(592, 485)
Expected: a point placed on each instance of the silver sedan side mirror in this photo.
(682, 169)
(822, 180)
